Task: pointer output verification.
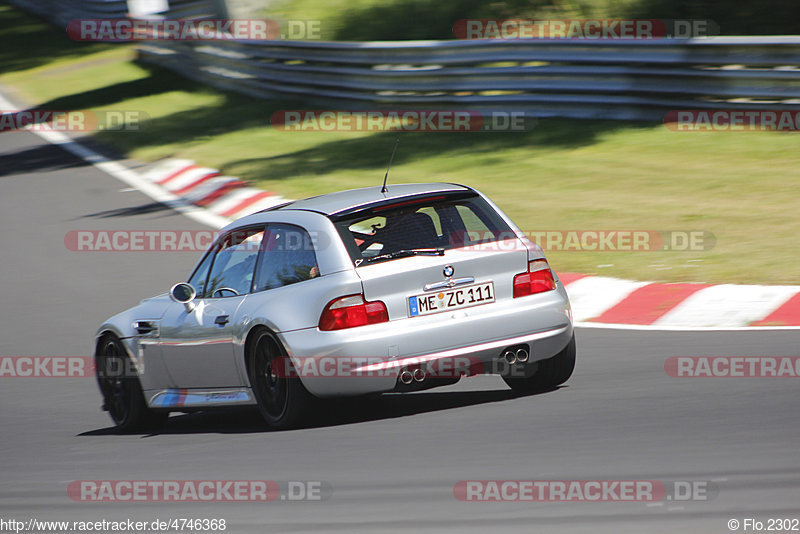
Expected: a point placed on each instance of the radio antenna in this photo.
(386, 176)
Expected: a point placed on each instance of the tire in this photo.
(122, 392)
(550, 373)
(283, 401)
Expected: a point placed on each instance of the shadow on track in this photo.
(144, 209)
(37, 159)
(331, 412)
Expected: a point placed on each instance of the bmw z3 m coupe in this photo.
(358, 292)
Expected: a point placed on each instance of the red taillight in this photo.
(350, 311)
(538, 279)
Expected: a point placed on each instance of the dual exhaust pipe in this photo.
(515, 356)
(416, 375)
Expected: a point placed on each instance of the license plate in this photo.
(451, 299)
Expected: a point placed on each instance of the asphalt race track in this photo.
(391, 462)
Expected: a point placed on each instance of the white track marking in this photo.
(207, 187)
(125, 175)
(165, 168)
(650, 327)
(727, 305)
(235, 197)
(187, 177)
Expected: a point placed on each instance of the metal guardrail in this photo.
(641, 79)
(581, 79)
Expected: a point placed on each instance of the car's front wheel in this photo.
(122, 393)
(549, 374)
(282, 399)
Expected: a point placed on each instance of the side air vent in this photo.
(146, 328)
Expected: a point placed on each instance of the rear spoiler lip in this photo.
(343, 214)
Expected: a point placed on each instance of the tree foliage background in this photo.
(433, 19)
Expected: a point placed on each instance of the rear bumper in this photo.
(369, 359)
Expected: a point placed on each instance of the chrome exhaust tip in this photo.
(406, 377)
(419, 374)
(510, 357)
(522, 355)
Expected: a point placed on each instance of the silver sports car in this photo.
(350, 293)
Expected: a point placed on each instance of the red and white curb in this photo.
(603, 301)
(225, 196)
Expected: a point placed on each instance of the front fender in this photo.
(143, 350)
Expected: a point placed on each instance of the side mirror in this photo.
(183, 293)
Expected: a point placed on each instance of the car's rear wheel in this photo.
(549, 374)
(122, 392)
(282, 399)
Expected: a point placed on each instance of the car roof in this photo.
(341, 201)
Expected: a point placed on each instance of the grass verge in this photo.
(561, 175)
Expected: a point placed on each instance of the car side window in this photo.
(234, 263)
(287, 257)
(200, 275)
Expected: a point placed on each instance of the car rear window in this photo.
(429, 222)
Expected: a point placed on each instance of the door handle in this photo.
(222, 320)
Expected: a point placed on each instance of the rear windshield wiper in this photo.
(405, 253)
